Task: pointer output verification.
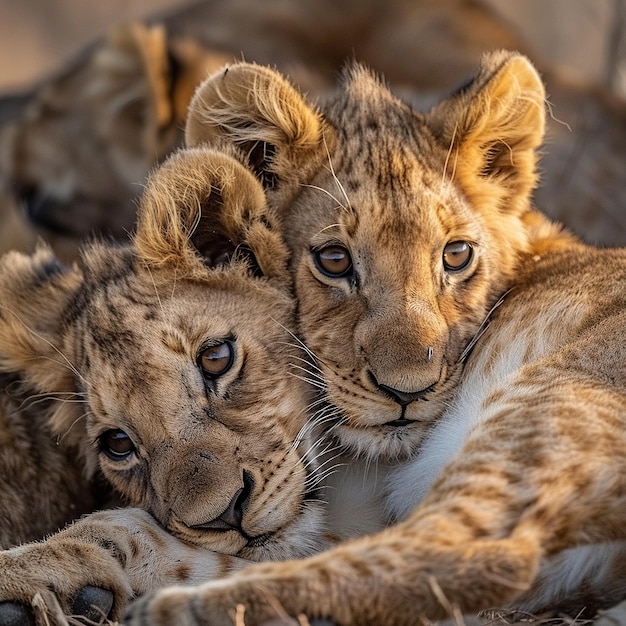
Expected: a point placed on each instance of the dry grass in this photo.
(49, 613)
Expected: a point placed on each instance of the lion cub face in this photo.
(178, 360)
(73, 158)
(405, 228)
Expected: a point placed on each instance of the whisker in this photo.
(314, 480)
(156, 292)
(82, 416)
(299, 343)
(324, 415)
(304, 368)
(309, 381)
(330, 195)
(340, 422)
(308, 362)
(67, 363)
(313, 422)
(313, 457)
(335, 178)
(320, 401)
(445, 165)
(482, 328)
(32, 401)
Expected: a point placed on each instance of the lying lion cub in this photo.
(164, 373)
(454, 327)
(464, 343)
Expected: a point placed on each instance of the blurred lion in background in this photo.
(75, 151)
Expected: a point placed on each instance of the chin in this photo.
(380, 442)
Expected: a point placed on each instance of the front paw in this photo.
(41, 583)
(219, 603)
(92, 605)
(173, 606)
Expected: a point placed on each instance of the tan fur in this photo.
(391, 346)
(74, 159)
(114, 343)
(72, 145)
(513, 443)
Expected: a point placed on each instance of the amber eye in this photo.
(333, 261)
(217, 360)
(457, 255)
(116, 444)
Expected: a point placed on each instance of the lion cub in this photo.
(461, 338)
(163, 373)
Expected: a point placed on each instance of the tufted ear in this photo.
(131, 75)
(36, 291)
(492, 128)
(259, 111)
(203, 209)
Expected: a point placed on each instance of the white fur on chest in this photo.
(356, 498)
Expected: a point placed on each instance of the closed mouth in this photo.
(251, 542)
(399, 422)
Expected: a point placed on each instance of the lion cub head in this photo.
(172, 359)
(72, 158)
(405, 228)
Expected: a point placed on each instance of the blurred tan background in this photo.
(585, 37)
(37, 36)
(75, 150)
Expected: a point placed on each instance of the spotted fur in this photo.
(494, 390)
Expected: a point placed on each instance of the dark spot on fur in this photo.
(112, 548)
(214, 244)
(244, 252)
(134, 547)
(182, 573)
(114, 343)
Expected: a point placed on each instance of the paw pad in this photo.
(16, 614)
(92, 604)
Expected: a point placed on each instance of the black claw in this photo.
(93, 604)
(16, 614)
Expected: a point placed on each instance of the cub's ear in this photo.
(131, 74)
(260, 112)
(36, 291)
(492, 128)
(203, 209)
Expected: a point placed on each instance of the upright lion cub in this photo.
(461, 337)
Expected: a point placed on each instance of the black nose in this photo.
(43, 211)
(401, 397)
(232, 516)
